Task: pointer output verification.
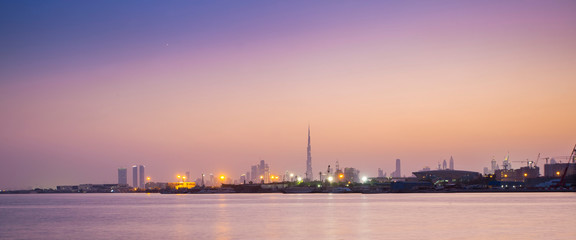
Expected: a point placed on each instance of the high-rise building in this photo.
(451, 163)
(380, 173)
(135, 176)
(309, 175)
(142, 177)
(122, 176)
(493, 166)
(398, 172)
(444, 165)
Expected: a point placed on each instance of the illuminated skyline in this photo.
(86, 88)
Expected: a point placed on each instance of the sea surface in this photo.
(289, 216)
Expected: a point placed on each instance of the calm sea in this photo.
(287, 216)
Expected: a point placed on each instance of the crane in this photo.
(572, 157)
(528, 163)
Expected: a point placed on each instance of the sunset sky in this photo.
(87, 87)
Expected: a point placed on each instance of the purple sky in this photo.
(215, 86)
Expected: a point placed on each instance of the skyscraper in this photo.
(135, 176)
(122, 176)
(444, 165)
(309, 176)
(398, 172)
(451, 163)
(142, 181)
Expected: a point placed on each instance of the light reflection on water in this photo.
(287, 216)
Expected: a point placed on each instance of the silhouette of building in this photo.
(444, 165)
(309, 175)
(451, 163)
(517, 175)
(135, 176)
(380, 172)
(447, 175)
(556, 170)
(122, 176)
(398, 172)
(142, 177)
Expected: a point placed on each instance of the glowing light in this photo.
(330, 179)
(291, 174)
(364, 179)
(558, 173)
(222, 177)
(299, 179)
(505, 175)
(341, 175)
(525, 174)
(261, 177)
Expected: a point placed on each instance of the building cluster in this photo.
(444, 176)
(138, 176)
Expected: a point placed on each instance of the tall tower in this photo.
(398, 172)
(451, 163)
(122, 176)
(444, 165)
(309, 176)
(135, 176)
(142, 182)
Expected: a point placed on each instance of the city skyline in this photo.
(86, 88)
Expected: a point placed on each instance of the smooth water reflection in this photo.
(287, 216)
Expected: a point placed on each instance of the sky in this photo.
(87, 87)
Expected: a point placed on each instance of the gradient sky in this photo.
(87, 87)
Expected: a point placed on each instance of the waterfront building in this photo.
(556, 170)
(517, 175)
(142, 177)
(122, 176)
(447, 175)
(135, 176)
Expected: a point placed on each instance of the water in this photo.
(286, 216)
